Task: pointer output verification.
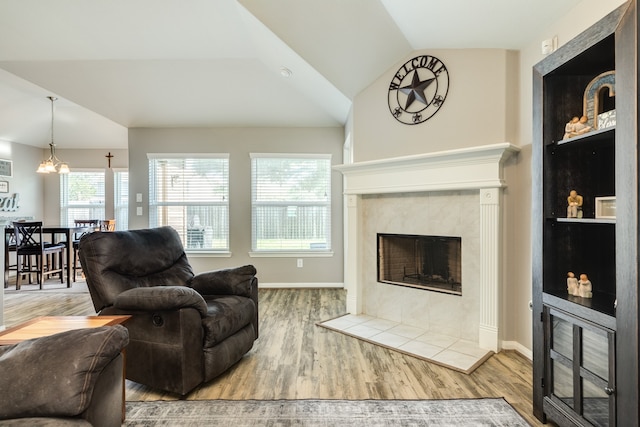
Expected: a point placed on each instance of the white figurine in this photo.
(572, 284)
(585, 290)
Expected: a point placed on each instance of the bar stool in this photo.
(108, 225)
(30, 244)
(92, 223)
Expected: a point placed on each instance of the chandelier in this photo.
(53, 163)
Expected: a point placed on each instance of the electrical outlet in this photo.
(138, 197)
(139, 211)
(300, 262)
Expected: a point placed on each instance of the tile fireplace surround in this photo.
(448, 193)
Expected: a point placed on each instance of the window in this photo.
(191, 194)
(81, 195)
(121, 198)
(291, 202)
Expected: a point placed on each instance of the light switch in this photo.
(139, 198)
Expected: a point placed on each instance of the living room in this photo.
(489, 102)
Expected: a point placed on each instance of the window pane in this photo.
(121, 199)
(291, 203)
(191, 195)
(562, 382)
(81, 196)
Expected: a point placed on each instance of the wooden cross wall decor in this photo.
(109, 157)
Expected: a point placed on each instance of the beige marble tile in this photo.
(469, 348)
(339, 323)
(380, 324)
(389, 340)
(406, 331)
(358, 318)
(457, 360)
(362, 331)
(421, 349)
(444, 349)
(437, 339)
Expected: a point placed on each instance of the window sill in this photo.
(207, 254)
(292, 254)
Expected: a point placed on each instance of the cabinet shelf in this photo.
(593, 136)
(586, 220)
(599, 309)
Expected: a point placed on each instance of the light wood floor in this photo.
(295, 359)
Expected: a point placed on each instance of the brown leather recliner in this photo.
(186, 329)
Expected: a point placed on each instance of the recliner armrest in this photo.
(161, 298)
(229, 281)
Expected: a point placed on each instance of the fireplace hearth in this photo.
(424, 262)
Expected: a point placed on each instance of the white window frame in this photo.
(311, 252)
(64, 197)
(153, 203)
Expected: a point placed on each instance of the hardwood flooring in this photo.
(295, 359)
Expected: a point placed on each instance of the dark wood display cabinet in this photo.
(585, 347)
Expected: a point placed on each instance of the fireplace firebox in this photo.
(424, 262)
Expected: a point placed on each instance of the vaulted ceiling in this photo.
(116, 64)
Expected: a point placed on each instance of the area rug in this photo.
(325, 413)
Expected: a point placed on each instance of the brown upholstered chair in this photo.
(185, 329)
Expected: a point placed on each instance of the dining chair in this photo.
(108, 225)
(10, 246)
(94, 224)
(30, 244)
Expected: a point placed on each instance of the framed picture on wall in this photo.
(4, 186)
(6, 168)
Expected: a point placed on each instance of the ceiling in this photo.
(116, 64)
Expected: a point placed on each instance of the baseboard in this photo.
(516, 346)
(299, 285)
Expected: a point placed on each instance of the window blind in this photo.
(121, 198)
(291, 202)
(191, 194)
(81, 196)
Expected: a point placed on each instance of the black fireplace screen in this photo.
(425, 262)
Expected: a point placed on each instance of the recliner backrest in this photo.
(114, 262)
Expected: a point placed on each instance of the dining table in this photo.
(58, 233)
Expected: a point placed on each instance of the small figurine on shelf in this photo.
(585, 287)
(574, 208)
(582, 127)
(569, 127)
(572, 284)
(576, 126)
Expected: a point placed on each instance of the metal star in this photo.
(415, 91)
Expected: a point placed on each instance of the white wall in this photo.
(239, 143)
(475, 111)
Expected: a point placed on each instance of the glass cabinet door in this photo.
(580, 367)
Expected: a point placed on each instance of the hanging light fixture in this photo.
(53, 163)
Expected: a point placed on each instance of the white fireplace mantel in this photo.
(465, 168)
(476, 168)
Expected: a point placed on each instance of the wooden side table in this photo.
(50, 325)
